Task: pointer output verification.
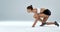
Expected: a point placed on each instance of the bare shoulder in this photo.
(43, 8)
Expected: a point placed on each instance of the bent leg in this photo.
(44, 21)
(48, 23)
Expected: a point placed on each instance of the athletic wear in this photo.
(47, 12)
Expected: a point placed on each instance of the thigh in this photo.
(45, 18)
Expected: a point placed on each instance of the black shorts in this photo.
(47, 12)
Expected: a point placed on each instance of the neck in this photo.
(35, 12)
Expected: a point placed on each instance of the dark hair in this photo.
(30, 7)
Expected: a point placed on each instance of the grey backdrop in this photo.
(16, 9)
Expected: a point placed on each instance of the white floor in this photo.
(25, 26)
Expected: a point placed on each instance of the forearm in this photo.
(34, 23)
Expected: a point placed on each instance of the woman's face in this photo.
(29, 10)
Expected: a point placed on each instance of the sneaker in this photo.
(43, 24)
(56, 24)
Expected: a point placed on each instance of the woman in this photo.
(44, 13)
